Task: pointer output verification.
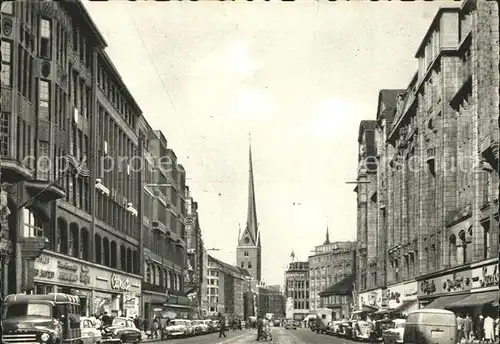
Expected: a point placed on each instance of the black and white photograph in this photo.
(243, 171)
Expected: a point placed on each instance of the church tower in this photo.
(248, 252)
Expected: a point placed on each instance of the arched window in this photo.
(123, 258)
(249, 265)
(169, 279)
(74, 236)
(158, 274)
(98, 249)
(463, 242)
(242, 264)
(129, 260)
(105, 249)
(84, 244)
(62, 236)
(452, 250)
(114, 255)
(147, 268)
(246, 254)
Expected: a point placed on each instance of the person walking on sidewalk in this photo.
(222, 325)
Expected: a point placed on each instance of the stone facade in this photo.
(436, 184)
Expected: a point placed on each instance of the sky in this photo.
(298, 77)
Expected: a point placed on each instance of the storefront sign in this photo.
(53, 268)
(120, 283)
(372, 298)
(456, 282)
(485, 277)
(400, 293)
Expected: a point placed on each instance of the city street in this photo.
(280, 336)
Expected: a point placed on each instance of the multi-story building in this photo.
(54, 107)
(297, 288)
(439, 185)
(194, 243)
(330, 263)
(339, 298)
(71, 134)
(163, 230)
(204, 284)
(275, 301)
(226, 288)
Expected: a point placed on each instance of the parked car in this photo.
(91, 334)
(200, 327)
(290, 324)
(336, 327)
(395, 334)
(380, 327)
(190, 327)
(177, 328)
(122, 330)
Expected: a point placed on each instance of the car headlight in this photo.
(45, 337)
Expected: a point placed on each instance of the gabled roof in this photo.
(342, 287)
(230, 268)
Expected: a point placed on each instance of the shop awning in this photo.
(476, 299)
(444, 301)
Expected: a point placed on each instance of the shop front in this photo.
(440, 291)
(371, 300)
(100, 289)
(483, 299)
(158, 302)
(402, 297)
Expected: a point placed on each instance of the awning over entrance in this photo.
(444, 301)
(476, 299)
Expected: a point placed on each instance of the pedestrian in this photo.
(460, 328)
(260, 327)
(489, 329)
(106, 319)
(468, 328)
(222, 325)
(156, 326)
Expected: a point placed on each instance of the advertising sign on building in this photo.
(452, 283)
(485, 278)
(401, 293)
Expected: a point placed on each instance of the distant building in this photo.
(297, 288)
(339, 298)
(226, 287)
(330, 263)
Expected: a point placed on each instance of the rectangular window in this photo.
(6, 63)
(44, 100)
(45, 38)
(4, 134)
(43, 164)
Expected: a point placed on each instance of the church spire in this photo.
(327, 241)
(252, 226)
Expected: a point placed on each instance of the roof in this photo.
(389, 99)
(365, 125)
(77, 9)
(342, 287)
(434, 23)
(121, 84)
(231, 268)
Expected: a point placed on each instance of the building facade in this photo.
(330, 263)
(71, 134)
(226, 288)
(437, 178)
(297, 288)
(339, 298)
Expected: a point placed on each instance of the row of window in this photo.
(163, 277)
(335, 300)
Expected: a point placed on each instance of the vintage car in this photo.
(379, 328)
(49, 318)
(121, 330)
(395, 334)
(200, 327)
(290, 324)
(177, 328)
(190, 327)
(346, 329)
(335, 327)
(215, 325)
(91, 333)
(362, 330)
